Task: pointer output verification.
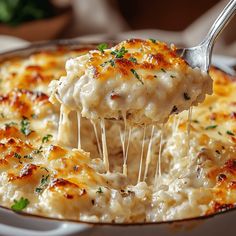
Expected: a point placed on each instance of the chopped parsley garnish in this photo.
(25, 126)
(119, 53)
(17, 155)
(210, 127)
(112, 62)
(10, 124)
(174, 109)
(46, 138)
(134, 60)
(219, 133)
(163, 70)
(229, 133)
(21, 204)
(43, 183)
(102, 46)
(153, 40)
(99, 190)
(195, 121)
(186, 96)
(44, 179)
(172, 76)
(28, 156)
(136, 75)
(38, 151)
(38, 190)
(2, 115)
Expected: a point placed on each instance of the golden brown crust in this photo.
(146, 55)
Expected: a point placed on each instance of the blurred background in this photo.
(183, 22)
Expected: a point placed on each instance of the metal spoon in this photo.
(200, 55)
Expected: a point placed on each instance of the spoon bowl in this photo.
(200, 55)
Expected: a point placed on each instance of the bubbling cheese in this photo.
(144, 79)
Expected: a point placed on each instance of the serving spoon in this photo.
(200, 55)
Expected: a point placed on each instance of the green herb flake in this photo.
(112, 63)
(25, 126)
(119, 53)
(17, 155)
(38, 190)
(219, 133)
(104, 64)
(230, 133)
(19, 205)
(43, 184)
(134, 72)
(99, 190)
(2, 115)
(102, 46)
(28, 157)
(186, 96)
(163, 70)
(39, 150)
(153, 40)
(172, 76)
(195, 121)
(10, 124)
(210, 127)
(44, 179)
(46, 138)
(132, 59)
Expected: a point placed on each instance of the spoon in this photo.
(200, 55)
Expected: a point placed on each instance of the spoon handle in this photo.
(220, 23)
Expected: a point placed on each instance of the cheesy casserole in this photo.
(192, 174)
